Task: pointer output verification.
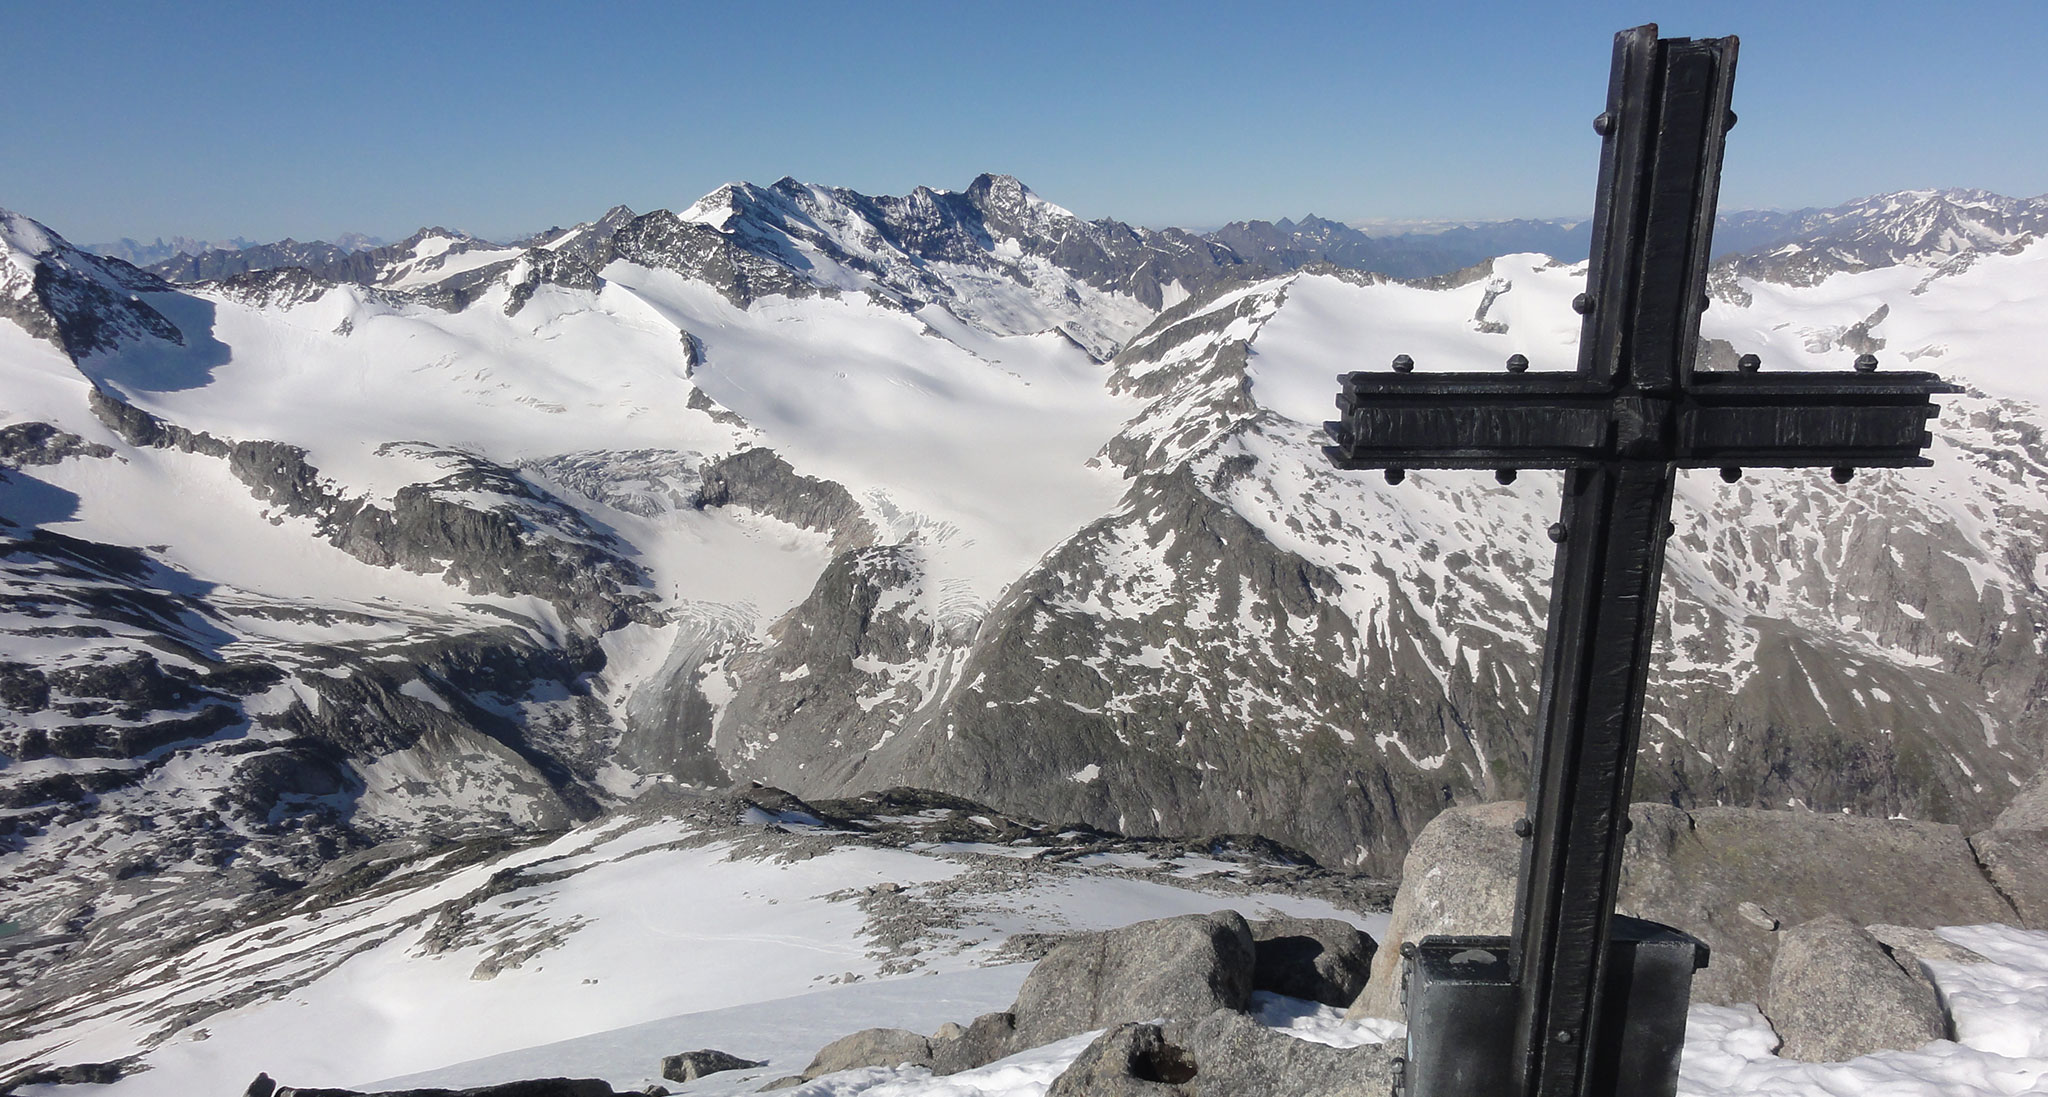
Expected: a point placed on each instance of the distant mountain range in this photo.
(161, 250)
(1874, 231)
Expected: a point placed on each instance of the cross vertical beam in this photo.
(1667, 112)
(1603, 606)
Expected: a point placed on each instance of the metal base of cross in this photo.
(1461, 999)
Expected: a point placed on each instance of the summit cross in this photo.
(1578, 1003)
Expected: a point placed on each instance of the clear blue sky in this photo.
(294, 119)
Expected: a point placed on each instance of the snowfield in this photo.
(620, 925)
(633, 939)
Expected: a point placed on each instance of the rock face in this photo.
(1287, 244)
(1803, 247)
(760, 480)
(2014, 853)
(480, 525)
(1173, 967)
(291, 753)
(215, 264)
(2028, 809)
(78, 302)
(1238, 557)
(1835, 994)
(1728, 876)
(1694, 869)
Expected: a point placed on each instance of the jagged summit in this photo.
(80, 302)
(24, 235)
(970, 251)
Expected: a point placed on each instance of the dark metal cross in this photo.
(1577, 1010)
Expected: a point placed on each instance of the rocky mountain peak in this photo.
(24, 237)
(1000, 193)
(79, 302)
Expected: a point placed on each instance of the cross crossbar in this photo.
(1569, 420)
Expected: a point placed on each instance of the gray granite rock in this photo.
(990, 1037)
(1922, 944)
(1236, 1056)
(2017, 863)
(1176, 968)
(692, 1065)
(2028, 809)
(1132, 1059)
(1836, 994)
(1320, 959)
(1459, 878)
(871, 1047)
(1694, 869)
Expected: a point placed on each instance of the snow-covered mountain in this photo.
(951, 490)
(1915, 227)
